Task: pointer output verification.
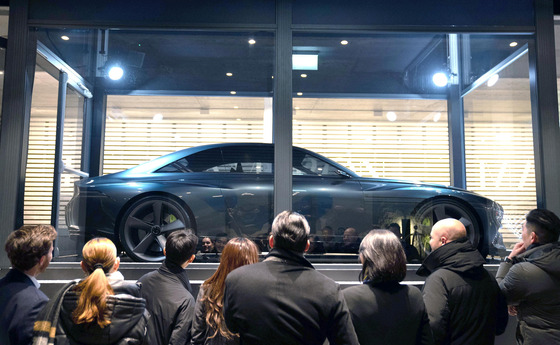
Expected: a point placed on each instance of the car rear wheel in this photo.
(433, 211)
(147, 223)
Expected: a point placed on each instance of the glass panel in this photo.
(70, 240)
(499, 145)
(40, 154)
(4, 16)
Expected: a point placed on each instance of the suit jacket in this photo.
(284, 300)
(20, 303)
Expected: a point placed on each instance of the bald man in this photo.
(463, 301)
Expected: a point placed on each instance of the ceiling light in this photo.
(235, 107)
(305, 62)
(437, 116)
(233, 92)
(344, 42)
(493, 80)
(64, 38)
(229, 74)
(158, 117)
(391, 116)
(296, 108)
(513, 44)
(440, 79)
(238, 119)
(300, 94)
(115, 73)
(303, 75)
(252, 41)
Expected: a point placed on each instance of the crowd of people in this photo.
(283, 299)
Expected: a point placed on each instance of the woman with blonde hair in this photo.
(383, 311)
(209, 326)
(100, 309)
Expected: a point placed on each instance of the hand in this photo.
(517, 249)
(512, 310)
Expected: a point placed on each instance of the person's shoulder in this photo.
(149, 276)
(355, 290)
(246, 270)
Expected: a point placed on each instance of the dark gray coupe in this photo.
(228, 189)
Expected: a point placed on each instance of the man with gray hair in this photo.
(284, 300)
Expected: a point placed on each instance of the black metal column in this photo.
(544, 101)
(282, 106)
(14, 130)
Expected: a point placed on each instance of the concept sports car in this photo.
(228, 189)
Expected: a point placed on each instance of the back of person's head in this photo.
(180, 246)
(28, 244)
(395, 229)
(545, 224)
(239, 251)
(290, 231)
(99, 256)
(383, 258)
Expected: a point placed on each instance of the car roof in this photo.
(159, 162)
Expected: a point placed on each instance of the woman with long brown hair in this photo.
(209, 326)
(101, 308)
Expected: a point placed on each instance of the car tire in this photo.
(433, 211)
(146, 224)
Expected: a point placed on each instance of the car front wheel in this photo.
(147, 223)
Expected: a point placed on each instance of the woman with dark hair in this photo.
(209, 326)
(100, 309)
(384, 311)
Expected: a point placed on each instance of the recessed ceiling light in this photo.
(64, 37)
(235, 107)
(344, 42)
(296, 108)
(229, 74)
(115, 73)
(513, 44)
(238, 119)
(233, 92)
(440, 79)
(300, 93)
(391, 116)
(303, 75)
(252, 41)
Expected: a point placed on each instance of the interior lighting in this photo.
(115, 73)
(299, 93)
(344, 42)
(493, 80)
(391, 116)
(303, 75)
(296, 108)
(440, 79)
(158, 117)
(305, 62)
(229, 74)
(252, 41)
(513, 44)
(233, 92)
(235, 107)
(238, 119)
(64, 38)
(437, 116)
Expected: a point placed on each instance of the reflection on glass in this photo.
(499, 145)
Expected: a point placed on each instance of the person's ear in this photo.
(307, 246)
(164, 252)
(116, 265)
(271, 242)
(534, 238)
(83, 266)
(191, 259)
(443, 239)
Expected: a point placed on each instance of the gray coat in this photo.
(532, 284)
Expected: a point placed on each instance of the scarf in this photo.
(44, 329)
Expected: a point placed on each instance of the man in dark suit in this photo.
(30, 252)
(284, 300)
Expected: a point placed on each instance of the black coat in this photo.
(128, 315)
(20, 303)
(388, 313)
(464, 302)
(533, 285)
(284, 300)
(169, 300)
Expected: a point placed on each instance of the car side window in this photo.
(204, 161)
(248, 159)
(307, 164)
